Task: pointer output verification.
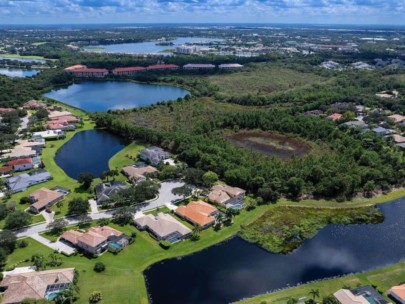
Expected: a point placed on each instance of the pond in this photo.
(105, 95)
(10, 72)
(23, 59)
(270, 144)
(236, 269)
(149, 47)
(88, 151)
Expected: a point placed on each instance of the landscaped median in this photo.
(383, 279)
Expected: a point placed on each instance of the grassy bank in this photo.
(123, 280)
(22, 57)
(283, 229)
(383, 279)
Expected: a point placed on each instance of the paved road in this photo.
(165, 196)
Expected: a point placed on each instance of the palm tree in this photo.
(314, 293)
(218, 218)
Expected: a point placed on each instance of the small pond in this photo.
(99, 96)
(11, 72)
(236, 269)
(149, 47)
(270, 144)
(23, 59)
(88, 151)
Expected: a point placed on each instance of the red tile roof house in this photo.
(6, 170)
(75, 67)
(163, 67)
(335, 116)
(6, 110)
(198, 213)
(33, 105)
(96, 240)
(227, 196)
(129, 71)
(398, 293)
(57, 125)
(21, 164)
(89, 72)
(44, 198)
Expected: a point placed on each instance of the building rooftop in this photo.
(75, 67)
(162, 224)
(20, 161)
(128, 69)
(33, 284)
(138, 172)
(198, 212)
(43, 196)
(25, 180)
(398, 292)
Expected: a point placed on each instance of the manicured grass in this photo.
(163, 209)
(262, 78)
(127, 156)
(22, 57)
(383, 279)
(39, 43)
(283, 229)
(123, 280)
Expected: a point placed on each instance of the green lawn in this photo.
(127, 156)
(23, 57)
(39, 43)
(123, 280)
(383, 279)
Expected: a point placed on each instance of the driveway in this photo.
(58, 246)
(24, 123)
(165, 195)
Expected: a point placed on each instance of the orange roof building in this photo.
(198, 213)
(335, 116)
(43, 198)
(398, 293)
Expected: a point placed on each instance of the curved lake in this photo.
(149, 47)
(105, 95)
(88, 151)
(236, 269)
(17, 72)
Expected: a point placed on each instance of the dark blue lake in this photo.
(10, 72)
(88, 151)
(236, 269)
(23, 59)
(105, 95)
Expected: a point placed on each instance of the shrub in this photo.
(165, 244)
(22, 244)
(99, 267)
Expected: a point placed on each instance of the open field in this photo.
(263, 79)
(22, 57)
(383, 279)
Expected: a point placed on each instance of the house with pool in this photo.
(198, 213)
(227, 196)
(96, 240)
(163, 227)
(35, 284)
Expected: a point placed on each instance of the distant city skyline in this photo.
(386, 12)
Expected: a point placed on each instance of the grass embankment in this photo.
(23, 57)
(123, 280)
(283, 229)
(125, 157)
(262, 78)
(383, 279)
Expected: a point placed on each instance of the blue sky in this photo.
(201, 11)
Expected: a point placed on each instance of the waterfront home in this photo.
(198, 66)
(33, 105)
(96, 240)
(49, 134)
(230, 66)
(36, 145)
(58, 125)
(128, 71)
(21, 164)
(138, 172)
(20, 152)
(198, 213)
(105, 190)
(335, 116)
(22, 182)
(75, 67)
(398, 293)
(356, 125)
(153, 155)
(35, 284)
(360, 295)
(163, 227)
(396, 118)
(44, 198)
(89, 72)
(227, 196)
(160, 67)
(57, 114)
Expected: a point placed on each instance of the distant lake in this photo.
(236, 269)
(88, 151)
(17, 72)
(22, 59)
(148, 47)
(104, 95)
